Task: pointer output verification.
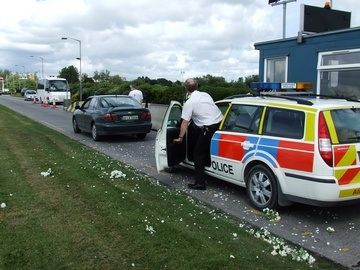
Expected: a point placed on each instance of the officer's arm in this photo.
(183, 129)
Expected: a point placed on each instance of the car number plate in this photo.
(130, 117)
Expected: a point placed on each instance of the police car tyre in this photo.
(75, 126)
(94, 133)
(262, 187)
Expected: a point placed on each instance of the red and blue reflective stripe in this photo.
(278, 152)
(289, 154)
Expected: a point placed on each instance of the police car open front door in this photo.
(167, 153)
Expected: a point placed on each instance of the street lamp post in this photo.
(79, 58)
(42, 64)
(22, 67)
(24, 74)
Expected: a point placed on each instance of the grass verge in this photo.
(92, 212)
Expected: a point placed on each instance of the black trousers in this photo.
(202, 138)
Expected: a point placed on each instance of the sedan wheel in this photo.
(262, 187)
(94, 133)
(75, 126)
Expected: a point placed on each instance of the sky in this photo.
(172, 39)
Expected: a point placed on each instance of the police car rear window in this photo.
(347, 124)
(243, 118)
(284, 123)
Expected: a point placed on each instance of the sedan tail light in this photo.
(145, 116)
(110, 117)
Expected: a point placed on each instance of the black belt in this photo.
(210, 127)
(213, 126)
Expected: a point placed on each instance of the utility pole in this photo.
(277, 3)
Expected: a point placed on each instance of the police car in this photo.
(282, 147)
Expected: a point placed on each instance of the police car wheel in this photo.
(94, 133)
(262, 187)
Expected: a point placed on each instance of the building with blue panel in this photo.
(329, 60)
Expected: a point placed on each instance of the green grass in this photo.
(79, 218)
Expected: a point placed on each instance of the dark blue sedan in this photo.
(111, 115)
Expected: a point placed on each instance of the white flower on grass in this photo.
(281, 248)
(150, 229)
(47, 173)
(271, 215)
(3, 205)
(330, 229)
(117, 174)
(232, 257)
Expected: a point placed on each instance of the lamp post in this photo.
(22, 67)
(79, 58)
(23, 73)
(42, 65)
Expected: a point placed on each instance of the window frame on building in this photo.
(273, 78)
(332, 71)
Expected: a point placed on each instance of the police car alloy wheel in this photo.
(261, 187)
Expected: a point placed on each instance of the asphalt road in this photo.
(304, 225)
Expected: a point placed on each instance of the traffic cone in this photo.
(54, 104)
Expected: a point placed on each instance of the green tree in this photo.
(116, 79)
(101, 76)
(70, 73)
(250, 79)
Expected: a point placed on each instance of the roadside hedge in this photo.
(157, 93)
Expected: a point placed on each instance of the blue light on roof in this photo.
(265, 85)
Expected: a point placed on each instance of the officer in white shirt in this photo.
(136, 93)
(201, 109)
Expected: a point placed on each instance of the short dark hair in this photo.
(191, 85)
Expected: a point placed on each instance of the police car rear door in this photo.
(168, 154)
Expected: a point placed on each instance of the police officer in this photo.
(206, 117)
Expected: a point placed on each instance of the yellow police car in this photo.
(282, 147)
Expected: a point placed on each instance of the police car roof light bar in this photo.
(280, 87)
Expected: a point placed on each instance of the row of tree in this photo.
(159, 90)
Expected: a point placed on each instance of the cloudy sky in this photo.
(170, 39)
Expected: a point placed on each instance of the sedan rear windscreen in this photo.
(112, 102)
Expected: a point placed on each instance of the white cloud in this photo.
(146, 38)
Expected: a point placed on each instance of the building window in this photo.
(276, 69)
(339, 73)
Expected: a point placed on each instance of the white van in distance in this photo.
(53, 89)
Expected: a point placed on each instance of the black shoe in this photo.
(197, 186)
